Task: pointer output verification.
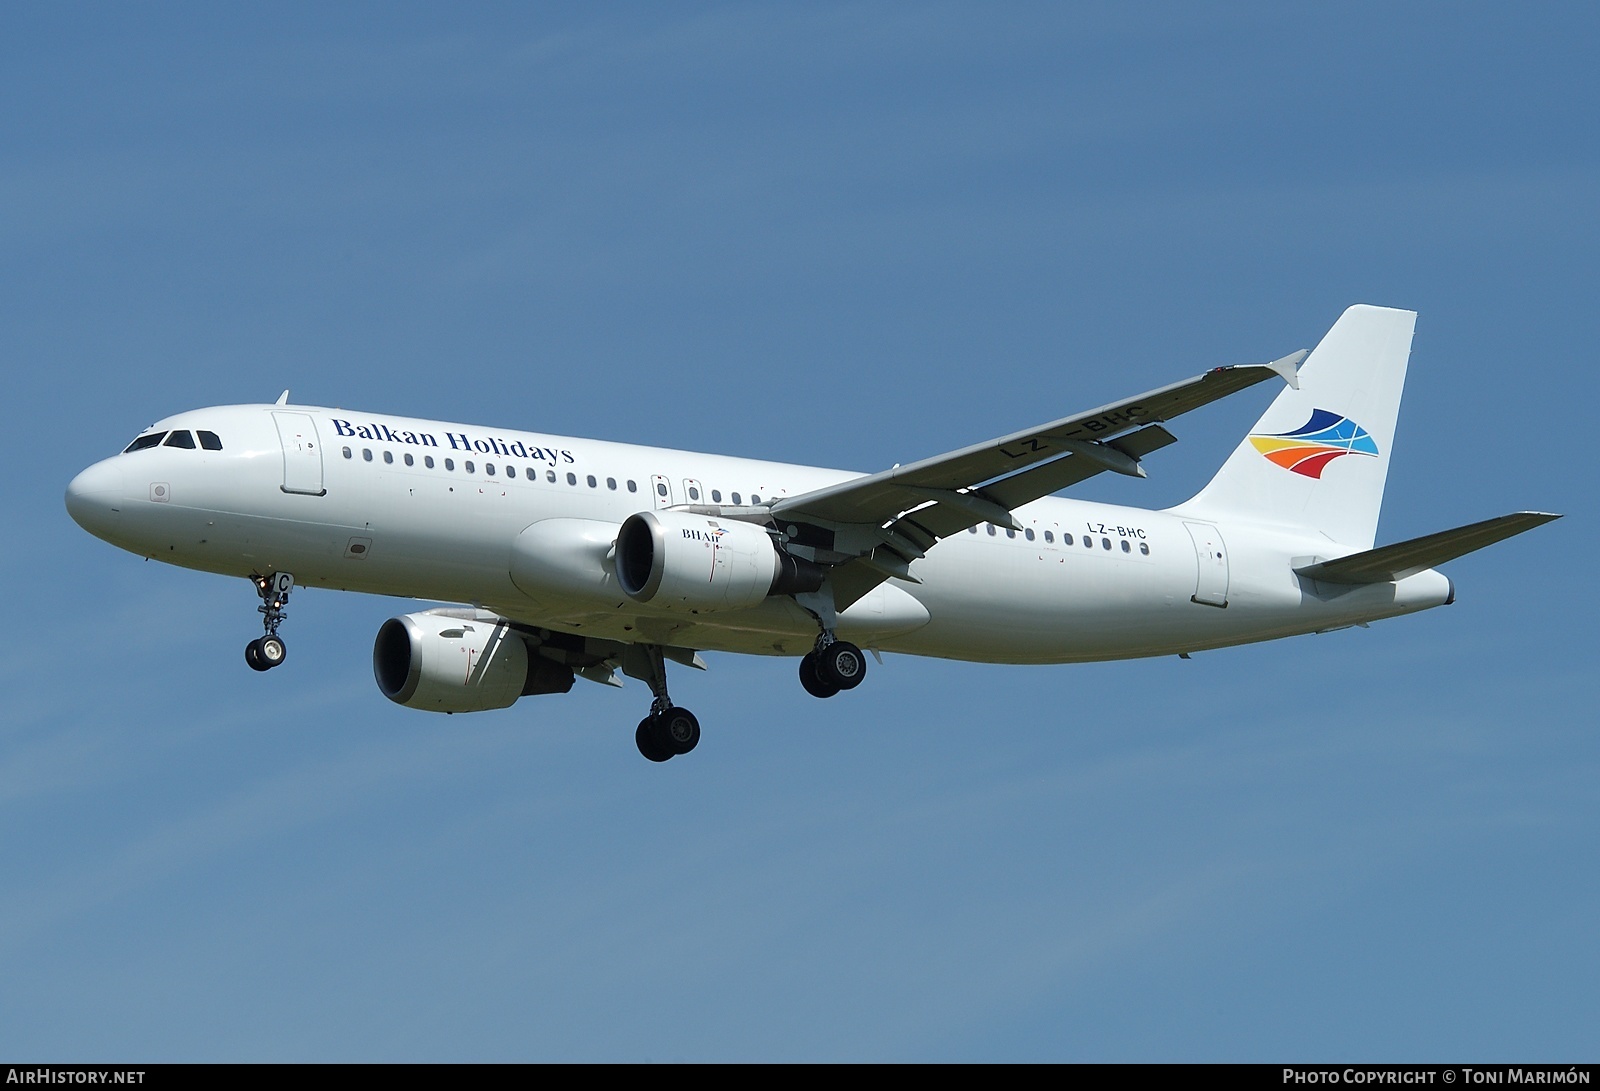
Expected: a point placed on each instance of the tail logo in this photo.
(1308, 449)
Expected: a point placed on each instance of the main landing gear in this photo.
(831, 666)
(669, 730)
(268, 650)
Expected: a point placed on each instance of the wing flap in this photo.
(1395, 562)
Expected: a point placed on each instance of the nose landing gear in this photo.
(268, 650)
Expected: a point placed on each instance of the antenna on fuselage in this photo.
(283, 399)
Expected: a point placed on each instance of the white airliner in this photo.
(582, 558)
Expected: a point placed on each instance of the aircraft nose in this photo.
(95, 497)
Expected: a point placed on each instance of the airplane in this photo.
(573, 558)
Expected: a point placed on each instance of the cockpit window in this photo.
(209, 441)
(180, 439)
(144, 441)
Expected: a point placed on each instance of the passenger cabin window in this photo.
(611, 483)
(488, 468)
(511, 471)
(409, 460)
(550, 476)
(427, 460)
(347, 453)
(143, 442)
(735, 498)
(631, 486)
(366, 453)
(469, 467)
(716, 496)
(592, 482)
(210, 441)
(1144, 547)
(572, 479)
(661, 488)
(180, 439)
(388, 457)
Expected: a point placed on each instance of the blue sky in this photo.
(843, 234)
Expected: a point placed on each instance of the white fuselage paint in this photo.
(265, 503)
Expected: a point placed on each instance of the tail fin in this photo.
(1318, 458)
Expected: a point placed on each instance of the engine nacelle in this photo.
(678, 561)
(451, 664)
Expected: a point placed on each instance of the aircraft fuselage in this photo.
(443, 511)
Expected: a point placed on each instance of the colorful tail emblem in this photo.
(1318, 442)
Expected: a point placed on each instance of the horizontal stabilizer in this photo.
(1396, 562)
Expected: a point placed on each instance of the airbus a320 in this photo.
(574, 558)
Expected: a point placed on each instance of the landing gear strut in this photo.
(268, 650)
(669, 730)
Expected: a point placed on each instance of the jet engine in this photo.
(678, 561)
(445, 663)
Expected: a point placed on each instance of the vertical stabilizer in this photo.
(1318, 458)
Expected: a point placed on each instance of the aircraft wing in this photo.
(939, 496)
